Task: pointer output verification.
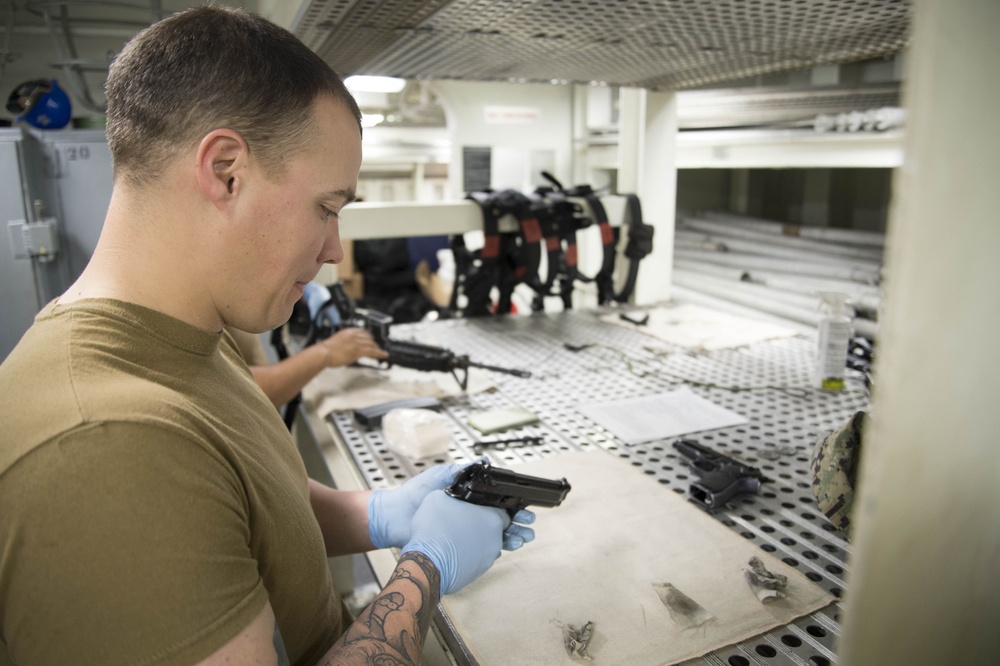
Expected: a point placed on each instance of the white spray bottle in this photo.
(834, 336)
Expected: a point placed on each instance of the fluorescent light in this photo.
(371, 119)
(378, 84)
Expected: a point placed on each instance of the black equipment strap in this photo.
(464, 265)
(557, 218)
(529, 249)
(507, 259)
(489, 272)
(521, 253)
(640, 244)
(549, 229)
(568, 221)
(604, 279)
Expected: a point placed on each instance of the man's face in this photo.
(288, 225)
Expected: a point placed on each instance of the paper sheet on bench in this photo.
(596, 558)
(659, 416)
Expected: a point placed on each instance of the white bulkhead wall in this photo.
(528, 118)
(539, 130)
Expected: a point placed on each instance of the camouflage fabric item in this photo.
(834, 470)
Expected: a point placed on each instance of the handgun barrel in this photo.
(531, 489)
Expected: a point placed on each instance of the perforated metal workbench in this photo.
(786, 418)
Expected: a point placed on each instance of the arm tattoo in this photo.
(279, 647)
(391, 631)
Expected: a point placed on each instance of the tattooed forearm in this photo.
(393, 628)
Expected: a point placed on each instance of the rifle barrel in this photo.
(507, 371)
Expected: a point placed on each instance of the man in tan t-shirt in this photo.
(153, 509)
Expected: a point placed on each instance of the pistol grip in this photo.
(714, 489)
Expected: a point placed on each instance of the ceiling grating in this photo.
(778, 106)
(656, 44)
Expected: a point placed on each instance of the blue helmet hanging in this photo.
(41, 103)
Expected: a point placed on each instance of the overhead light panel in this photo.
(375, 84)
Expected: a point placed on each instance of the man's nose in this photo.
(333, 251)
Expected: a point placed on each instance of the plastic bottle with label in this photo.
(835, 330)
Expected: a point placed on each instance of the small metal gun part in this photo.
(578, 640)
(482, 483)
(634, 320)
(720, 477)
(513, 442)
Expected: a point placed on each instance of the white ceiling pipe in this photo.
(865, 327)
(810, 284)
(687, 243)
(711, 269)
(713, 227)
(798, 300)
(766, 248)
(694, 237)
(776, 265)
(686, 295)
(695, 240)
(868, 313)
(736, 245)
(764, 304)
(861, 297)
(849, 236)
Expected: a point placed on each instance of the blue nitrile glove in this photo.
(316, 296)
(516, 535)
(390, 511)
(461, 539)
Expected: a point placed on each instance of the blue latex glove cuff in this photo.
(376, 527)
(461, 539)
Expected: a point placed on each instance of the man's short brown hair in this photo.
(210, 68)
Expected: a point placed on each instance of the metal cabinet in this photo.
(69, 173)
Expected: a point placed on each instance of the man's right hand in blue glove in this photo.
(461, 539)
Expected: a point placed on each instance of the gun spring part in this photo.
(766, 586)
(577, 640)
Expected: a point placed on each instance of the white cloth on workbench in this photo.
(602, 556)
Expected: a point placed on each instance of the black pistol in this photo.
(719, 476)
(482, 483)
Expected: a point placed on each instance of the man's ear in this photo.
(220, 164)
